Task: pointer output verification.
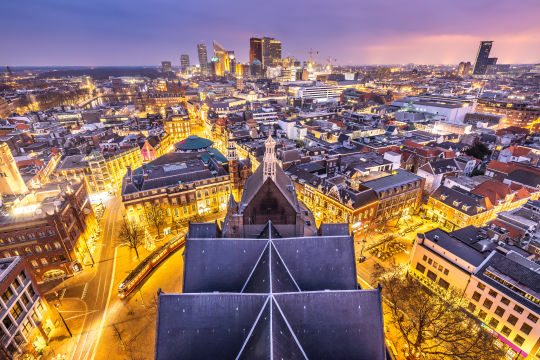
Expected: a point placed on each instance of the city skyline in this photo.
(113, 33)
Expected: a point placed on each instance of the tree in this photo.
(433, 325)
(478, 150)
(130, 235)
(155, 216)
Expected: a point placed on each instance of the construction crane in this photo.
(329, 62)
(310, 52)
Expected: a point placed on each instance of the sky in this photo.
(355, 32)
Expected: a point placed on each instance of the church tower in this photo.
(269, 161)
(234, 173)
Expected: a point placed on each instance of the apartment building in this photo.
(501, 288)
(25, 323)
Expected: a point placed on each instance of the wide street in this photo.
(93, 288)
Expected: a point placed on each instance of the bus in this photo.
(138, 274)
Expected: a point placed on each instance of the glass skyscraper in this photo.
(483, 59)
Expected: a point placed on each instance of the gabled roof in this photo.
(524, 177)
(267, 297)
(494, 190)
(498, 166)
(279, 326)
(255, 182)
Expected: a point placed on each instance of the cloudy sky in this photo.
(144, 32)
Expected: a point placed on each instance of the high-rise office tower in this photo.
(255, 50)
(232, 62)
(166, 66)
(275, 51)
(267, 50)
(184, 62)
(483, 59)
(203, 58)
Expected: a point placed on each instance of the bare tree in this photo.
(433, 327)
(130, 235)
(155, 216)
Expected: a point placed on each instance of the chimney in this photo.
(128, 174)
(145, 176)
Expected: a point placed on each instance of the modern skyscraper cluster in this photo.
(266, 50)
(482, 59)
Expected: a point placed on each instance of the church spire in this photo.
(269, 162)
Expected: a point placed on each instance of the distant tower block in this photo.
(269, 161)
(11, 181)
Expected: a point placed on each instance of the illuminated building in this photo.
(255, 50)
(239, 170)
(203, 58)
(177, 124)
(156, 146)
(501, 286)
(52, 228)
(25, 322)
(11, 181)
(520, 114)
(271, 51)
(215, 66)
(166, 66)
(184, 62)
(191, 181)
(102, 172)
(118, 161)
(4, 107)
(482, 58)
(267, 50)
(464, 68)
(455, 208)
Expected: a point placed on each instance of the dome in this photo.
(214, 59)
(256, 62)
(192, 143)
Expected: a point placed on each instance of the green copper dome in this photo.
(193, 142)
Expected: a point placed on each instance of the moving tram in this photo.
(138, 274)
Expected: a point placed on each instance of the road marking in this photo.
(76, 316)
(82, 329)
(85, 290)
(62, 293)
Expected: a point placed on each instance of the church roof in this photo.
(255, 182)
(267, 297)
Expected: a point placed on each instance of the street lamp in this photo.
(64, 321)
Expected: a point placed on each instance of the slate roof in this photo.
(462, 200)
(515, 274)
(524, 177)
(255, 182)
(455, 246)
(281, 326)
(270, 298)
(401, 177)
(170, 174)
(441, 166)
